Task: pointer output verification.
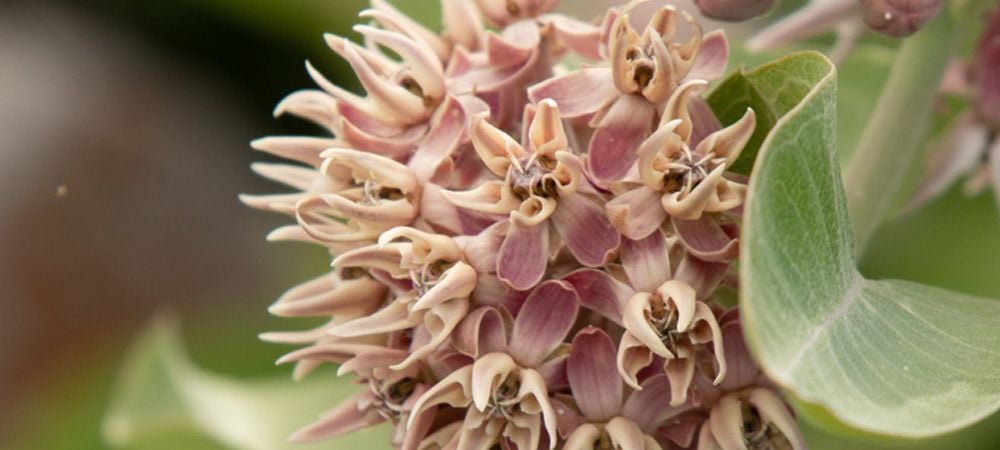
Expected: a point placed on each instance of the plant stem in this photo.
(891, 143)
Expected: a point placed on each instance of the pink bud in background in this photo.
(898, 18)
(733, 10)
(986, 71)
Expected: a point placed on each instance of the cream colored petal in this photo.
(583, 437)
(773, 410)
(635, 318)
(546, 134)
(729, 142)
(633, 356)
(493, 146)
(625, 434)
(703, 317)
(680, 372)
(683, 298)
(533, 211)
(726, 420)
(454, 390)
(487, 373)
(491, 197)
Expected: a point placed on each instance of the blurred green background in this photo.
(125, 127)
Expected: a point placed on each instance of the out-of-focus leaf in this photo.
(164, 401)
(887, 357)
(771, 90)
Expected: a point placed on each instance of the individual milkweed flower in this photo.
(970, 146)
(431, 281)
(744, 411)
(683, 170)
(543, 190)
(622, 99)
(607, 418)
(376, 194)
(672, 324)
(504, 391)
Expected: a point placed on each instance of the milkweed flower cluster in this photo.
(525, 255)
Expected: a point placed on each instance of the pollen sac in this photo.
(733, 10)
(899, 18)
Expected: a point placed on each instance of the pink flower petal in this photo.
(304, 149)
(713, 56)
(703, 119)
(701, 275)
(646, 261)
(482, 331)
(741, 371)
(447, 128)
(620, 131)
(585, 230)
(593, 378)
(394, 317)
(579, 93)
(543, 322)
(513, 46)
(582, 38)
(646, 406)
(600, 292)
(635, 213)
(329, 295)
(705, 239)
(523, 256)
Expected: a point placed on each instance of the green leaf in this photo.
(771, 90)
(887, 357)
(164, 401)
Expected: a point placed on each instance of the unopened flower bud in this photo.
(986, 72)
(898, 18)
(733, 10)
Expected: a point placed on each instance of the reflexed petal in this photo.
(310, 104)
(635, 213)
(705, 239)
(713, 56)
(704, 120)
(482, 331)
(582, 38)
(600, 292)
(646, 406)
(593, 377)
(578, 93)
(543, 322)
(513, 46)
(646, 261)
(617, 136)
(585, 230)
(343, 419)
(447, 128)
(523, 256)
(741, 369)
(701, 275)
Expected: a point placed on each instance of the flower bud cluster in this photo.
(525, 255)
